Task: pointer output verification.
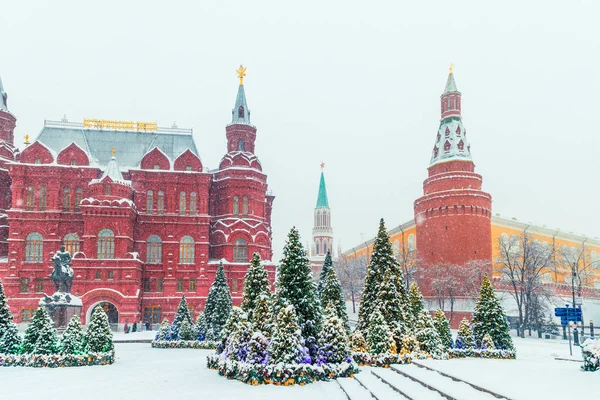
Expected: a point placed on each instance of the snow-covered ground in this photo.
(143, 372)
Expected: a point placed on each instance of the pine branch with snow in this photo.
(256, 284)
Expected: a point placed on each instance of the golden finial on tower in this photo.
(241, 71)
(113, 151)
(451, 67)
(322, 165)
(26, 140)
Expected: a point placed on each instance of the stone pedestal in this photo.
(61, 307)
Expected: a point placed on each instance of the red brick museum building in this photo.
(143, 219)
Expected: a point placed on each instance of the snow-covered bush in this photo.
(98, 338)
(591, 355)
(71, 341)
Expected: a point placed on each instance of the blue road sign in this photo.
(567, 314)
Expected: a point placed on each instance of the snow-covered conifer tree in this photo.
(99, 338)
(327, 265)
(487, 342)
(72, 338)
(10, 341)
(333, 342)
(182, 314)
(239, 338)
(201, 326)
(416, 300)
(427, 334)
(443, 328)
(464, 338)
(285, 345)
(263, 319)
(331, 293)
(218, 304)
(295, 287)
(40, 318)
(5, 315)
(164, 332)
(489, 318)
(358, 343)
(380, 337)
(47, 342)
(186, 331)
(410, 344)
(235, 315)
(256, 284)
(257, 349)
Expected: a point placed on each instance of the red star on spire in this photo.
(322, 165)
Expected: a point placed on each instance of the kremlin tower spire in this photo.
(322, 233)
(241, 134)
(453, 212)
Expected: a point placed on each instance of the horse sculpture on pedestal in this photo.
(63, 273)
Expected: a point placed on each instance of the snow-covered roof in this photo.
(451, 142)
(112, 171)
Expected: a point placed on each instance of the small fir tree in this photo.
(218, 304)
(186, 331)
(5, 315)
(331, 293)
(257, 349)
(389, 301)
(382, 259)
(182, 314)
(410, 344)
(263, 320)
(333, 343)
(380, 337)
(164, 332)
(40, 318)
(235, 315)
(489, 318)
(10, 342)
(427, 335)
(488, 343)
(443, 328)
(47, 342)
(256, 284)
(464, 338)
(72, 338)
(295, 287)
(285, 347)
(327, 265)
(358, 344)
(239, 339)
(416, 300)
(201, 326)
(99, 338)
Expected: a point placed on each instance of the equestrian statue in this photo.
(63, 273)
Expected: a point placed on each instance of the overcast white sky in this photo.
(353, 83)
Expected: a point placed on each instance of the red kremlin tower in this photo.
(453, 217)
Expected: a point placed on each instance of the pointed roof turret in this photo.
(113, 172)
(3, 97)
(240, 113)
(322, 201)
(450, 83)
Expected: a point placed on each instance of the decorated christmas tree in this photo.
(47, 342)
(71, 341)
(382, 259)
(263, 320)
(333, 342)
(182, 314)
(285, 345)
(332, 293)
(416, 300)
(489, 318)
(327, 265)
(380, 337)
(488, 343)
(10, 341)
(256, 284)
(388, 299)
(427, 335)
(235, 315)
(295, 287)
(410, 344)
(358, 343)
(443, 328)
(164, 332)
(257, 349)
(464, 338)
(39, 320)
(5, 315)
(186, 331)
(218, 305)
(239, 338)
(99, 338)
(201, 326)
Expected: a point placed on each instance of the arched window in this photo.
(78, 197)
(458, 130)
(236, 205)
(447, 132)
(34, 247)
(239, 250)
(107, 190)
(245, 206)
(412, 242)
(193, 203)
(106, 244)
(461, 145)
(396, 249)
(241, 112)
(66, 199)
(160, 203)
(30, 198)
(447, 146)
(149, 201)
(435, 152)
(154, 250)
(71, 243)
(241, 145)
(186, 250)
(318, 246)
(43, 198)
(182, 203)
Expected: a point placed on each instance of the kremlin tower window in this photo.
(154, 250)
(447, 132)
(245, 206)
(71, 243)
(438, 137)
(42, 202)
(241, 145)
(106, 244)
(66, 199)
(107, 190)
(34, 247)
(193, 203)
(149, 201)
(239, 251)
(435, 151)
(241, 112)
(461, 145)
(458, 130)
(160, 203)
(186, 250)
(236, 206)
(447, 146)
(30, 197)
(182, 202)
